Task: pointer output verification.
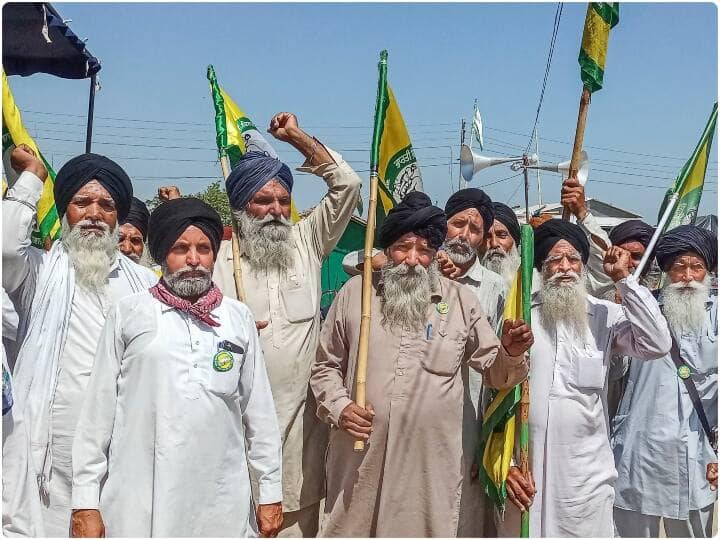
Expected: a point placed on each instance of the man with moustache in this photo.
(425, 328)
(575, 337)
(667, 467)
(280, 263)
(62, 297)
(133, 231)
(178, 417)
(501, 248)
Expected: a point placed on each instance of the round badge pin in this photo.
(683, 372)
(223, 361)
(442, 308)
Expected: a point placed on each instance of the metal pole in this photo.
(526, 162)
(658, 231)
(537, 151)
(91, 110)
(462, 141)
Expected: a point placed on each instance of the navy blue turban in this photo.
(505, 215)
(415, 214)
(471, 198)
(169, 221)
(633, 230)
(551, 232)
(138, 217)
(87, 167)
(252, 172)
(687, 238)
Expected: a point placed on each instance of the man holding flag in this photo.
(280, 267)
(576, 336)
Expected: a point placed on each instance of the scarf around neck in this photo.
(200, 309)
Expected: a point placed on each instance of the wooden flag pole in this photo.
(237, 269)
(576, 158)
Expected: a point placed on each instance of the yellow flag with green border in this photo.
(14, 134)
(600, 18)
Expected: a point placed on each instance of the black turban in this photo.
(632, 230)
(415, 214)
(87, 167)
(505, 215)
(251, 173)
(551, 232)
(138, 217)
(687, 238)
(471, 198)
(169, 221)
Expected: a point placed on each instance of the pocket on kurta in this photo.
(589, 370)
(225, 373)
(298, 302)
(443, 353)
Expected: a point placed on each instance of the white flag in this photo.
(478, 128)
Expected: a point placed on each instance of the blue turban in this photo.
(252, 172)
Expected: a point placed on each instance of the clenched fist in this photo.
(616, 263)
(516, 337)
(284, 127)
(357, 421)
(168, 193)
(572, 197)
(24, 159)
(87, 524)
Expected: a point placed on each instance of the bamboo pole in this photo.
(237, 268)
(576, 158)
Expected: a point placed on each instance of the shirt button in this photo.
(399, 372)
(197, 342)
(195, 365)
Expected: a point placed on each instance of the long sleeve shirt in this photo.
(290, 302)
(661, 450)
(168, 438)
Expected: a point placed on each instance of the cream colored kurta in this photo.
(408, 482)
(291, 305)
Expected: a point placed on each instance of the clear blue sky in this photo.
(320, 61)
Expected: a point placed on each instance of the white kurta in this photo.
(49, 390)
(175, 440)
(570, 453)
(291, 304)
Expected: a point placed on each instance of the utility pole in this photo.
(537, 151)
(462, 141)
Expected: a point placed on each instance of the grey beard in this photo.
(500, 262)
(564, 303)
(91, 255)
(406, 294)
(459, 251)
(188, 287)
(267, 241)
(684, 306)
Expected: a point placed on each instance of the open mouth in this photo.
(97, 229)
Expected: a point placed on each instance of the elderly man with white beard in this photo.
(575, 337)
(179, 417)
(667, 467)
(280, 263)
(501, 249)
(425, 329)
(62, 297)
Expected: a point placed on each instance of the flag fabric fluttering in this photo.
(600, 18)
(688, 187)
(392, 152)
(14, 134)
(236, 134)
(496, 443)
(477, 127)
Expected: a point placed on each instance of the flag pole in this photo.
(364, 338)
(526, 258)
(656, 235)
(91, 112)
(237, 269)
(578, 142)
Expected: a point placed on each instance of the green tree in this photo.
(214, 195)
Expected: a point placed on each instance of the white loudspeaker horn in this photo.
(471, 162)
(564, 168)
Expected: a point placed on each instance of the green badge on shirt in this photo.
(223, 361)
(442, 308)
(683, 371)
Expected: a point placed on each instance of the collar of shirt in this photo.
(476, 272)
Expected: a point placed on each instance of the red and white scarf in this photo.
(200, 309)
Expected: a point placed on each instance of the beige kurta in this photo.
(291, 304)
(408, 482)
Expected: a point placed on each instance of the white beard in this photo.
(503, 263)
(267, 241)
(406, 294)
(564, 303)
(459, 251)
(188, 287)
(684, 306)
(91, 255)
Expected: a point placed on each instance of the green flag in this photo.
(600, 18)
(688, 186)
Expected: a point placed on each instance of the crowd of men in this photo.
(140, 402)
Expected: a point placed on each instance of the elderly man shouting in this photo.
(62, 297)
(576, 336)
(179, 416)
(280, 265)
(664, 456)
(425, 329)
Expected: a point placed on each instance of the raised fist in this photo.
(616, 263)
(24, 159)
(284, 126)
